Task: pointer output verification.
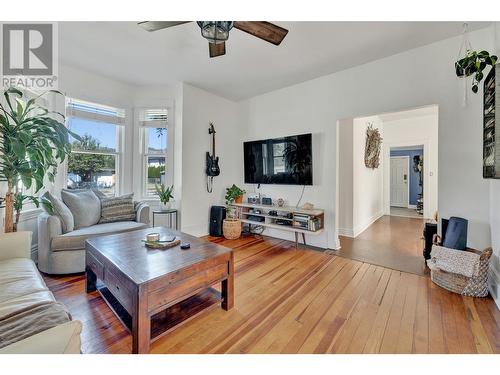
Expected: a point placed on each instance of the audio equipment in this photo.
(259, 219)
(267, 201)
(217, 216)
(253, 199)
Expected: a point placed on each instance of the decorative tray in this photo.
(161, 245)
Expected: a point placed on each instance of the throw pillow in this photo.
(117, 209)
(61, 211)
(84, 205)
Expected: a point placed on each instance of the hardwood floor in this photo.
(391, 241)
(291, 300)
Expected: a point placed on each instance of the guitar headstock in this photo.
(211, 129)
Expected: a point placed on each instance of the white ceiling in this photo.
(123, 51)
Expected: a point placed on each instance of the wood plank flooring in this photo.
(291, 300)
(391, 241)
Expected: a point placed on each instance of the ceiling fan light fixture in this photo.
(215, 31)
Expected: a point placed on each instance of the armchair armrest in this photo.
(15, 245)
(49, 226)
(62, 339)
(142, 212)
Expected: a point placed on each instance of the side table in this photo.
(170, 213)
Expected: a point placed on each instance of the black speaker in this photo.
(217, 215)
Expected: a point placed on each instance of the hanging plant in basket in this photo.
(473, 64)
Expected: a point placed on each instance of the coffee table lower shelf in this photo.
(169, 319)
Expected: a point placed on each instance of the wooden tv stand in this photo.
(302, 221)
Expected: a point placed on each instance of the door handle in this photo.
(405, 178)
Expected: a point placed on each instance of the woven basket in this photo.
(476, 286)
(231, 228)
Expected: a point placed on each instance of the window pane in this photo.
(157, 140)
(94, 171)
(279, 165)
(96, 135)
(155, 173)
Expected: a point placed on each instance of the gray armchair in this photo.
(64, 253)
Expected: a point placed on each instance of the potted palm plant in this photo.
(165, 193)
(33, 142)
(231, 227)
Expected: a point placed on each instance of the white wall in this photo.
(198, 108)
(360, 201)
(420, 77)
(367, 182)
(413, 131)
(345, 178)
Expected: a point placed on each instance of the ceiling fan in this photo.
(217, 32)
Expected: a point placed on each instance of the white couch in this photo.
(22, 286)
(64, 253)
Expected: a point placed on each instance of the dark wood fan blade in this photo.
(158, 25)
(264, 30)
(217, 49)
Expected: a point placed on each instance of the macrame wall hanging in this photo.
(465, 47)
(372, 147)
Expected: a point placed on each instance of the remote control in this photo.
(185, 245)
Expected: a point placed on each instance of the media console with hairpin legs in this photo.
(287, 218)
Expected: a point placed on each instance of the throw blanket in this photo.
(32, 320)
(461, 262)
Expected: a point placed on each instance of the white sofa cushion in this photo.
(21, 285)
(84, 205)
(76, 240)
(61, 211)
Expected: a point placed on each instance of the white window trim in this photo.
(119, 153)
(140, 157)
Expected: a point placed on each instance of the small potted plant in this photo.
(165, 194)
(231, 228)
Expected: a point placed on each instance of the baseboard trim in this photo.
(357, 231)
(412, 206)
(346, 232)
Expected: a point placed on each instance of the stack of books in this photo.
(307, 222)
(301, 221)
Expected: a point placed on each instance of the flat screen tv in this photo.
(286, 161)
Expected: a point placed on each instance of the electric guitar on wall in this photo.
(212, 161)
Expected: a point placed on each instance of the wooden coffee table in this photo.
(152, 291)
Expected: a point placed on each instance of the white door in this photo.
(399, 181)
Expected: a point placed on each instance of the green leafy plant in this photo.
(473, 64)
(165, 193)
(232, 193)
(33, 141)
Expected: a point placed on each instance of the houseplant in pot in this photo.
(473, 64)
(231, 227)
(165, 193)
(33, 142)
